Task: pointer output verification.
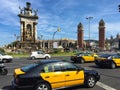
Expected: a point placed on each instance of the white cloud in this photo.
(9, 9)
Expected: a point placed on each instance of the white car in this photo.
(5, 58)
(39, 54)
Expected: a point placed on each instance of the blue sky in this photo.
(66, 14)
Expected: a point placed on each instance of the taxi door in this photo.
(73, 76)
(88, 57)
(54, 77)
(91, 57)
(116, 59)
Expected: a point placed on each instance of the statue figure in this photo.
(35, 12)
(21, 10)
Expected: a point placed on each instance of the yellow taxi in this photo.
(53, 74)
(84, 57)
(108, 60)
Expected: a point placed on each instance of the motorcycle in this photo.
(3, 70)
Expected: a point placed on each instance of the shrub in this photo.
(56, 50)
(2, 50)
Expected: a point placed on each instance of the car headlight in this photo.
(2, 65)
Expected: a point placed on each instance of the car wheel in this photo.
(33, 58)
(4, 72)
(43, 86)
(4, 61)
(46, 57)
(14, 88)
(113, 65)
(90, 81)
(82, 61)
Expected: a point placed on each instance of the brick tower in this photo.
(80, 36)
(102, 35)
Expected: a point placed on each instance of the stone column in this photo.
(34, 31)
(23, 35)
(21, 31)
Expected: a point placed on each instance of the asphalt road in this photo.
(110, 78)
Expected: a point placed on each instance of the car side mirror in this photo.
(79, 69)
(110, 57)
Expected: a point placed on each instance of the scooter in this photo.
(3, 70)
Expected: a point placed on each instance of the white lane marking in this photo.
(102, 85)
(106, 87)
(9, 74)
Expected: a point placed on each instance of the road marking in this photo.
(9, 74)
(106, 87)
(102, 85)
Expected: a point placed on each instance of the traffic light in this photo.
(119, 7)
(119, 44)
(59, 29)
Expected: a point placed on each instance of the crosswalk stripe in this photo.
(106, 87)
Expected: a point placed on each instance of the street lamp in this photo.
(89, 18)
(40, 41)
(58, 30)
(17, 37)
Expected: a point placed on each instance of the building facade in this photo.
(114, 42)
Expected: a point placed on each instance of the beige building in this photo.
(114, 42)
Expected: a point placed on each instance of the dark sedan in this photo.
(52, 74)
(108, 60)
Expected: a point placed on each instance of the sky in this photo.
(66, 14)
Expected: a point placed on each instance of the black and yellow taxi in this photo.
(108, 60)
(52, 74)
(84, 57)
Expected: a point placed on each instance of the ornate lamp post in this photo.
(119, 11)
(58, 30)
(40, 41)
(89, 18)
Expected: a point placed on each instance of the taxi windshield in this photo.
(29, 67)
(104, 55)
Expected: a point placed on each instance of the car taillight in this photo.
(14, 75)
(17, 80)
